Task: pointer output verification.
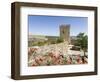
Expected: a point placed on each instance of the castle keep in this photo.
(65, 32)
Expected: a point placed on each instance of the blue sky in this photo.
(49, 25)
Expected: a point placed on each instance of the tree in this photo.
(82, 41)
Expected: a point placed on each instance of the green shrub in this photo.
(59, 40)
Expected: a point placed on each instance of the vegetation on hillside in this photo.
(82, 41)
(47, 42)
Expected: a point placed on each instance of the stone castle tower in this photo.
(65, 32)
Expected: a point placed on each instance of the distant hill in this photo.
(42, 37)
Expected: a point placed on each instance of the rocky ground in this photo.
(54, 54)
